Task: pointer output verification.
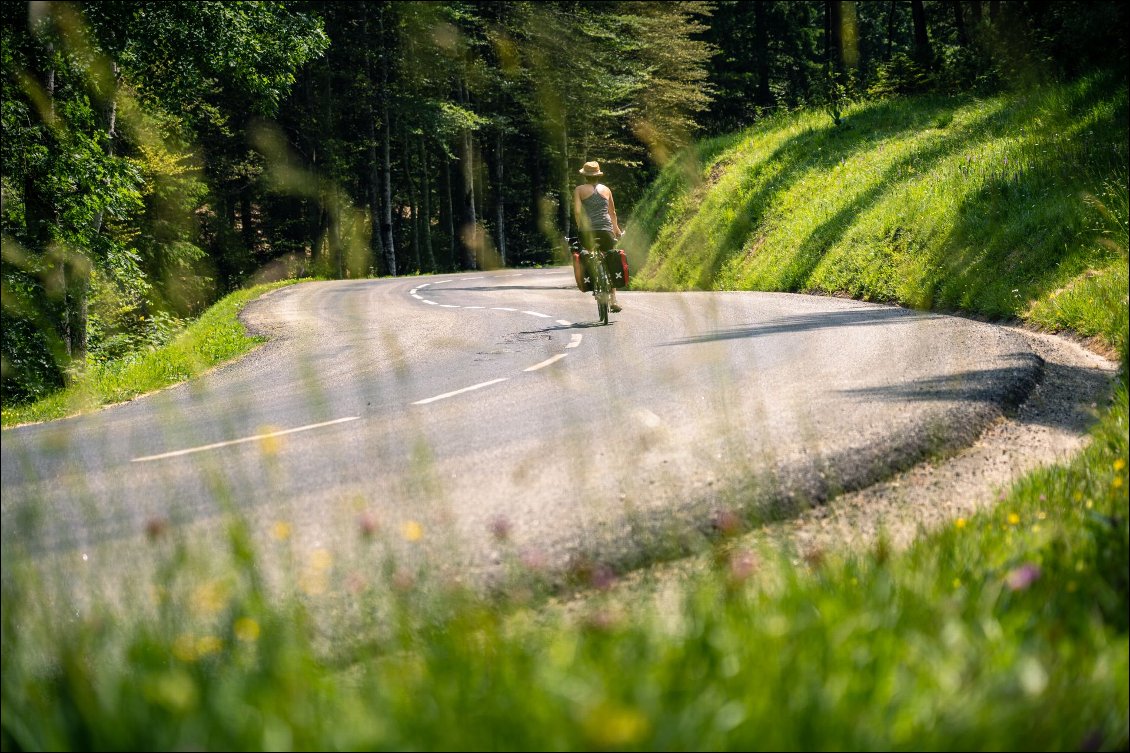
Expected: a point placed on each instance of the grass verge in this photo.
(214, 338)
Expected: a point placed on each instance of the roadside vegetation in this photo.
(1007, 630)
(214, 338)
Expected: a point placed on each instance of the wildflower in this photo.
(367, 524)
(184, 648)
(321, 559)
(209, 598)
(1119, 464)
(1117, 482)
(269, 441)
(247, 629)
(412, 531)
(960, 523)
(956, 583)
(155, 528)
(727, 523)
(206, 645)
(742, 565)
(1022, 577)
(281, 530)
(613, 726)
(500, 528)
(1013, 519)
(533, 559)
(403, 581)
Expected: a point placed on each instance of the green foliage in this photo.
(973, 204)
(130, 364)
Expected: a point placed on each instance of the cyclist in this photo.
(595, 212)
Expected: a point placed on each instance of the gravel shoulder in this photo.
(1049, 427)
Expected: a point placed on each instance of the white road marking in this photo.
(546, 362)
(534, 313)
(565, 322)
(439, 282)
(449, 306)
(423, 285)
(574, 341)
(474, 307)
(500, 308)
(202, 448)
(433, 303)
(478, 386)
(480, 277)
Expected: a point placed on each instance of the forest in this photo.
(158, 155)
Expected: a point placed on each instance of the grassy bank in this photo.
(1009, 207)
(1008, 630)
(214, 338)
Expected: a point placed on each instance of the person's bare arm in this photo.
(577, 213)
(612, 213)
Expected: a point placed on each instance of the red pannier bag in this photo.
(615, 261)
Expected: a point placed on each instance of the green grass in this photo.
(1013, 200)
(1008, 630)
(213, 339)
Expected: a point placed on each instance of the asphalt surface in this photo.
(474, 415)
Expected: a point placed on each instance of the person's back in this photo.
(595, 213)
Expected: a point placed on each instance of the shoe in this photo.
(616, 308)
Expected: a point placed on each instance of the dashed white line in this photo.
(431, 303)
(546, 362)
(534, 313)
(565, 322)
(474, 307)
(214, 445)
(449, 306)
(501, 308)
(574, 341)
(478, 386)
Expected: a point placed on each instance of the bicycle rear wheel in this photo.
(602, 289)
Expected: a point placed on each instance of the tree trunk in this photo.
(499, 206)
(890, 31)
(413, 196)
(376, 245)
(959, 23)
(922, 53)
(975, 12)
(566, 203)
(425, 177)
(469, 221)
(386, 224)
(447, 213)
(834, 35)
(763, 96)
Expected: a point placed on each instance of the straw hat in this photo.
(591, 170)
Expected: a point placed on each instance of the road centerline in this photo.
(242, 440)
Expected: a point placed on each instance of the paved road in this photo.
(492, 401)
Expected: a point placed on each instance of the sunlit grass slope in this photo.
(216, 337)
(1013, 206)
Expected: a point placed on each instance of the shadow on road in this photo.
(807, 323)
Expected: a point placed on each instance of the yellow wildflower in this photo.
(247, 629)
(412, 531)
(281, 530)
(207, 645)
(1119, 464)
(960, 523)
(1013, 519)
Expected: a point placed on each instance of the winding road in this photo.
(470, 408)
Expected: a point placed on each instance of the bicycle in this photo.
(594, 263)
